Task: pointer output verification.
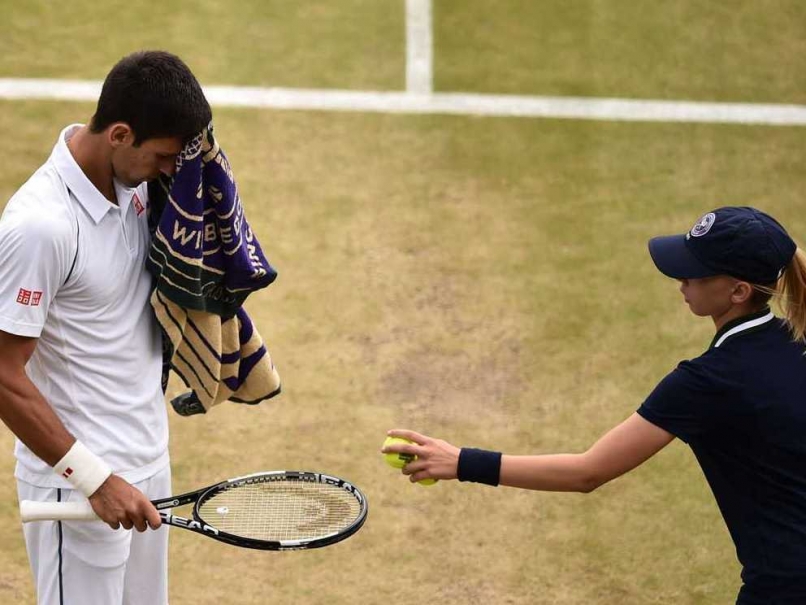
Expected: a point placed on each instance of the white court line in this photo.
(445, 103)
(419, 47)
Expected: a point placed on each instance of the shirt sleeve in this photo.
(37, 251)
(685, 402)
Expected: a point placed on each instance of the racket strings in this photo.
(281, 510)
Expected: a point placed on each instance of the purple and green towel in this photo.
(206, 261)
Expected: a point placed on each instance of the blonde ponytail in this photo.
(792, 295)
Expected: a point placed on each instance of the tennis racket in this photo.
(275, 510)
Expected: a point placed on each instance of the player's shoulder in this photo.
(690, 388)
(40, 209)
(714, 369)
(723, 369)
(45, 183)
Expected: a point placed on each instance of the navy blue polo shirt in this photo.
(741, 407)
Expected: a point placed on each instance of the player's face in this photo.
(134, 164)
(709, 296)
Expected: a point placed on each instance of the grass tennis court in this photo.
(483, 280)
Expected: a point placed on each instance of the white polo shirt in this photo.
(72, 274)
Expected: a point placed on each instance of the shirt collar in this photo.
(125, 196)
(752, 322)
(82, 188)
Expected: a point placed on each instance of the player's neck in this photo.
(735, 312)
(93, 157)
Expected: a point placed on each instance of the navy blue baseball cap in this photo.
(739, 241)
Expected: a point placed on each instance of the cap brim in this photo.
(673, 258)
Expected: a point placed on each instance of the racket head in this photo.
(282, 510)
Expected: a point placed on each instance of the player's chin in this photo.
(698, 311)
(132, 181)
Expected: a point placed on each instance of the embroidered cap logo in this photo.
(703, 225)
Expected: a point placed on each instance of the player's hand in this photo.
(119, 504)
(436, 459)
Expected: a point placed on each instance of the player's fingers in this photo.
(139, 516)
(403, 448)
(140, 524)
(413, 467)
(419, 476)
(126, 523)
(153, 517)
(111, 518)
(410, 435)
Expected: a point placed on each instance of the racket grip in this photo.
(56, 511)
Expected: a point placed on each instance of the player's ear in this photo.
(742, 291)
(119, 134)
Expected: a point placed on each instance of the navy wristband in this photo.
(479, 466)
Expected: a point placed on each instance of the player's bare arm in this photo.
(620, 450)
(29, 416)
(22, 407)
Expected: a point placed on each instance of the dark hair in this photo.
(156, 94)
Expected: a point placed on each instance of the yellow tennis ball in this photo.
(397, 460)
(401, 460)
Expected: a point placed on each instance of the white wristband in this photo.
(84, 470)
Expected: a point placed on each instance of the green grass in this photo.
(482, 280)
(346, 44)
(725, 50)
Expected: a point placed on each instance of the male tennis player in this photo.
(740, 406)
(80, 352)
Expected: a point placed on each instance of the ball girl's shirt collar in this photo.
(747, 324)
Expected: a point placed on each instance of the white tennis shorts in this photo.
(89, 563)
